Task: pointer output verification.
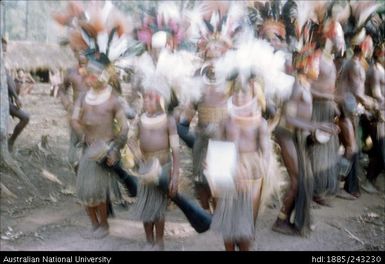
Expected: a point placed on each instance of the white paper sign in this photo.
(221, 165)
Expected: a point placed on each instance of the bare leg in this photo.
(91, 212)
(29, 88)
(102, 231)
(257, 191)
(56, 89)
(289, 156)
(159, 229)
(24, 119)
(229, 245)
(244, 245)
(149, 230)
(102, 210)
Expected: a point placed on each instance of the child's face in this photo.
(242, 95)
(92, 80)
(151, 102)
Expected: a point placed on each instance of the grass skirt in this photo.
(151, 201)
(93, 182)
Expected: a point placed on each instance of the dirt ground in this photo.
(52, 220)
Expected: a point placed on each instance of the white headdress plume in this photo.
(175, 69)
(235, 19)
(178, 68)
(168, 12)
(196, 27)
(257, 57)
(157, 82)
(305, 11)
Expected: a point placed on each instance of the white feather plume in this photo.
(117, 48)
(102, 40)
(89, 41)
(107, 8)
(168, 10)
(158, 83)
(144, 65)
(179, 68)
(235, 17)
(258, 57)
(191, 90)
(196, 28)
(305, 11)
(149, 78)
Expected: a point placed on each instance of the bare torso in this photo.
(214, 104)
(352, 78)
(213, 98)
(303, 100)
(375, 83)
(154, 138)
(325, 84)
(244, 133)
(97, 120)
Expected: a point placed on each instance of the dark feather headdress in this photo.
(266, 18)
(215, 25)
(99, 32)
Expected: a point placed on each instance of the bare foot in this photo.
(100, 233)
(148, 247)
(158, 247)
(345, 195)
(284, 227)
(323, 201)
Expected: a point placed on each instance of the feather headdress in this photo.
(214, 25)
(332, 30)
(266, 18)
(101, 34)
(360, 13)
(179, 68)
(256, 59)
(161, 25)
(173, 71)
(300, 19)
(375, 27)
